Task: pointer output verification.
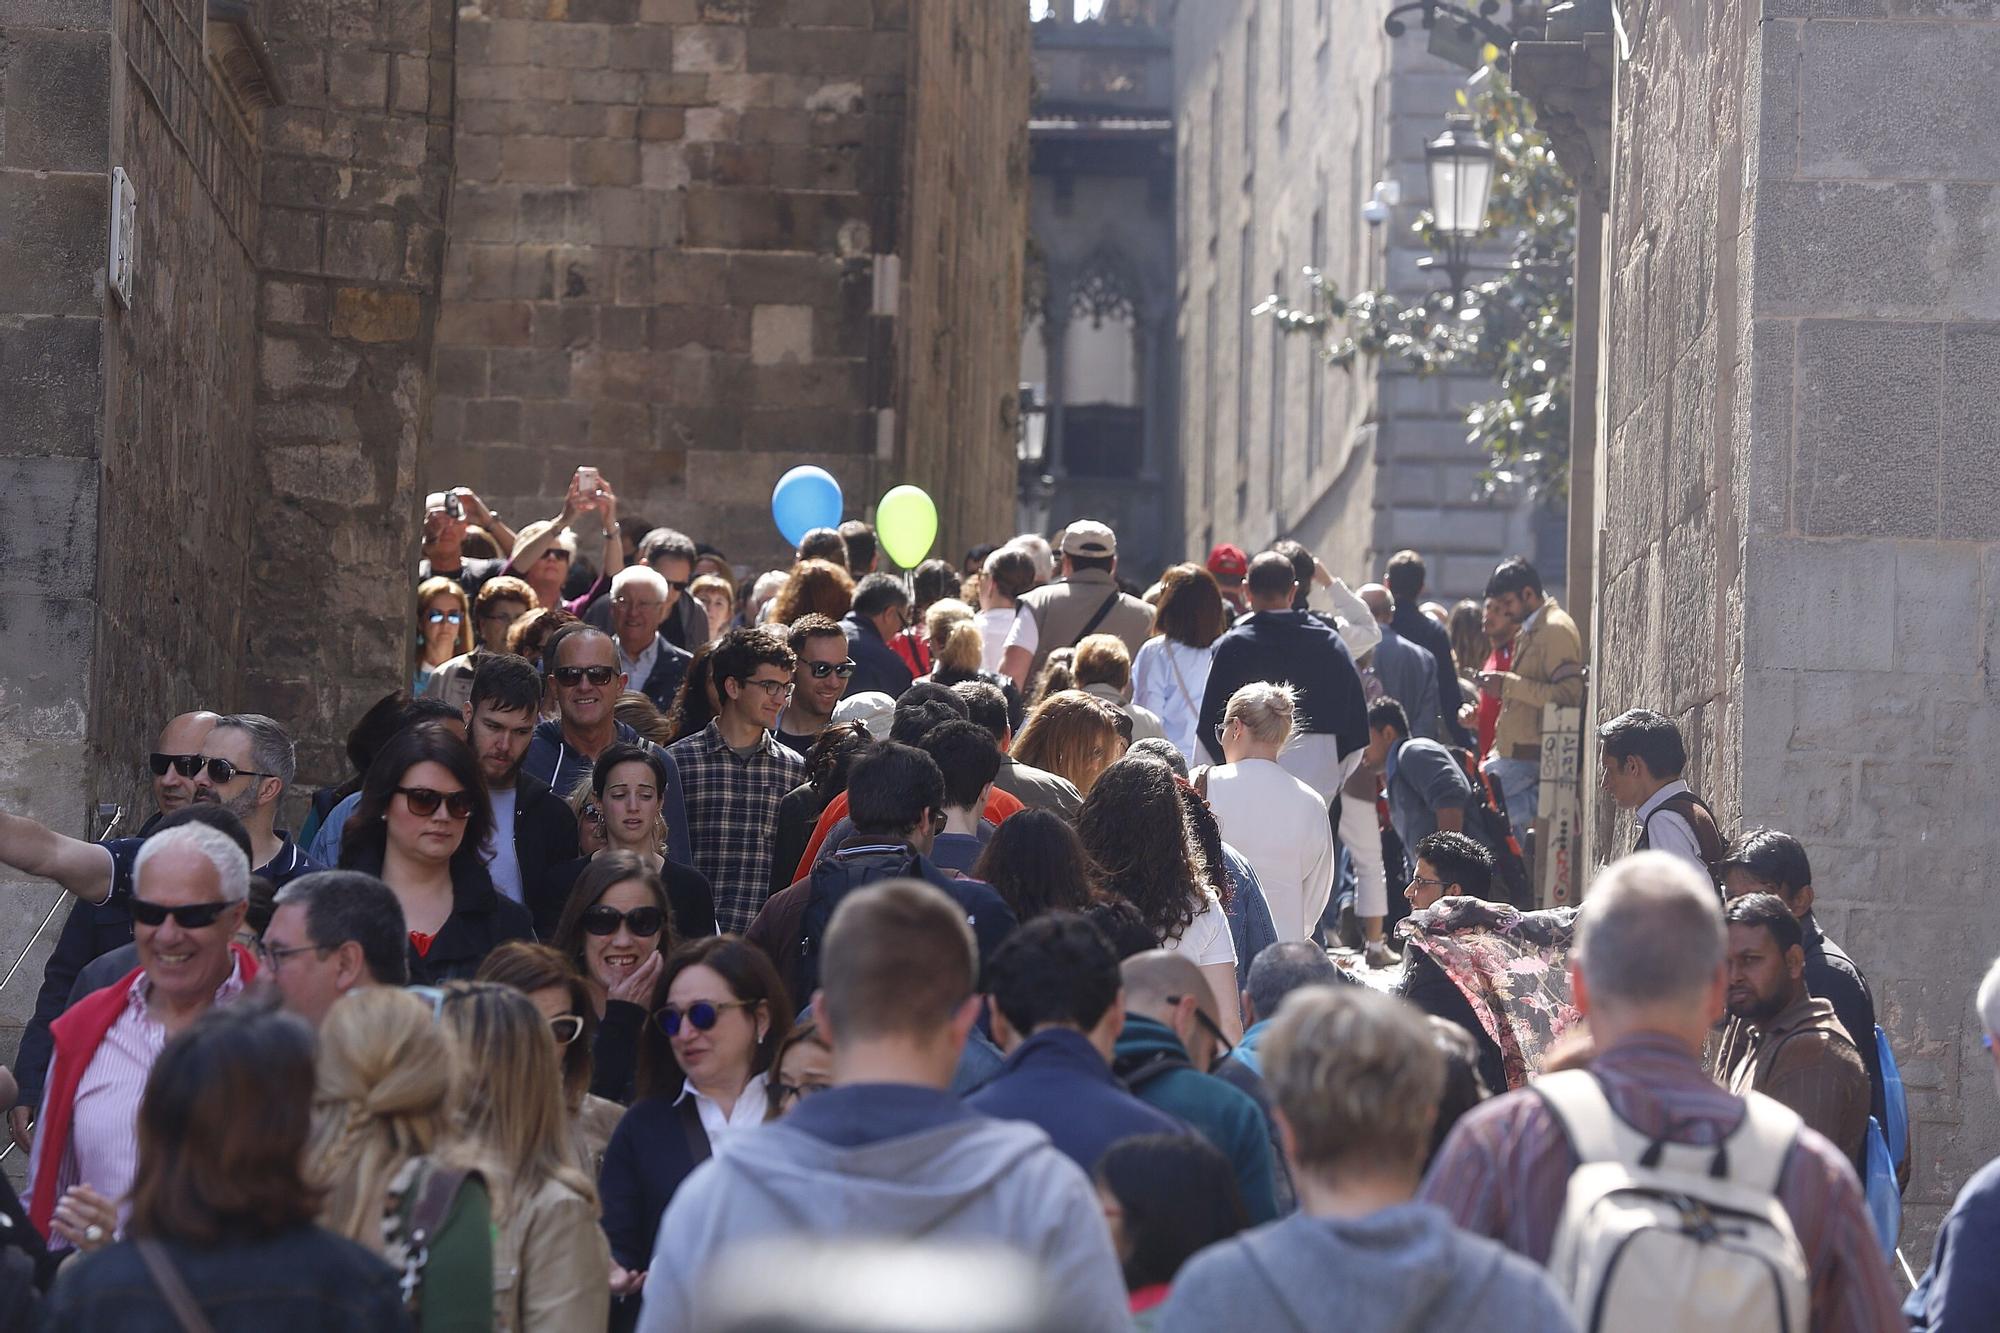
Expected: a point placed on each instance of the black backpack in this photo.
(826, 895)
(1486, 822)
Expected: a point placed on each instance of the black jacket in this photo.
(1410, 622)
(663, 682)
(1293, 646)
(1426, 986)
(878, 668)
(1832, 976)
(544, 830)
(481, 920)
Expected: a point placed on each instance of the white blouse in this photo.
(1207, 938)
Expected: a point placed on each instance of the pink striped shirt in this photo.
(103, 1148)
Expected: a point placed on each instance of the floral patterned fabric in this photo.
(1511, 965)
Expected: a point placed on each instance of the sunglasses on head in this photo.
(189, 765)
(572, 676)
(701, 1015)
(566, 1028)
(821, 670)
(441, 617)
(423, 802)
(645, 922)
(192, 916)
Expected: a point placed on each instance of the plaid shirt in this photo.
(732, 808)
(1504, 1173)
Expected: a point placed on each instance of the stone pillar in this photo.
(1802, 554)
(355, 189)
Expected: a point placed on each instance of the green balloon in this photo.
(907, 523)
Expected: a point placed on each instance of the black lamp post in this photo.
(1460, 163)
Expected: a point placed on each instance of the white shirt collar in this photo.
(1658, 799)
(749, 1109)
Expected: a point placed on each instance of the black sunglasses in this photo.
(821, 670)
(645, 922)
(702, 1015)
(596, 675)
(424, 802)
(192, 916)
(188, 765)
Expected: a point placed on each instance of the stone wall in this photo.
(665, 254)
(1800, 554)
(356, 183)
(1279, 174)
(127, 432)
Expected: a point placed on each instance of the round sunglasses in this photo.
(645, 922)
(423, 802)
(702, 1015)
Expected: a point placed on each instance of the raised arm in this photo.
(33, 848)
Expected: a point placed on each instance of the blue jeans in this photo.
(1521, 783)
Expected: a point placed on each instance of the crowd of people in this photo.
(668, 916)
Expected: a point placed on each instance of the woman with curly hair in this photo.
(695, 705)
(1134, 828)
(813, 585)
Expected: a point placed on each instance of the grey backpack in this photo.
(1671, 1236)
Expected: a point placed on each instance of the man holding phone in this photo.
(447, 514)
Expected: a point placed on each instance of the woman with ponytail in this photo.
(383, 1151)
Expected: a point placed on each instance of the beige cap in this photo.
(1087, 537)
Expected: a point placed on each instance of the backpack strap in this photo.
(1753, 1155)
(186, 1310)
(1595, 1133)
(434, 1204)
(1760, 1145)
(1090, 626)
(689, 1116)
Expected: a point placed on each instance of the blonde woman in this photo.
(383, 1152)
(444, 627)
(1274, 819)
(551, 1263)
(1073, 736)
(956, 643)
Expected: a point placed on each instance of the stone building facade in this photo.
(386, 244)
(1799, 556)
(1287, 114)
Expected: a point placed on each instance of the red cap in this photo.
(1228, 559)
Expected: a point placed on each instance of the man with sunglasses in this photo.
(585, 679)
(818, 682)
(1170, 1042)
(250, 762)
(880, 612)
(736, 772)
(190, 887)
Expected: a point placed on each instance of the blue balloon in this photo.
(805, 498)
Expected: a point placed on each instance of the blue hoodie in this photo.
(560, 764)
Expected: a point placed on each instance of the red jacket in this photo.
(78, 1034)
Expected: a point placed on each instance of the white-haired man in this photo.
(1649, 971)
(640, 599)
(189, 895)
(1961, 1288)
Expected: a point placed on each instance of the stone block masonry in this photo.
(667, 224)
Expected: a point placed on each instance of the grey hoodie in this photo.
(973, 1178)
(1401, 1270)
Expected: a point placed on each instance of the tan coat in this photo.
(551, 1265)
(1548, 668)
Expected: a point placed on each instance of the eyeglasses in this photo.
(702, 1014)
(275, 958)
(444, 617)
(1209, 1026)
(509, 616)
(220, 771)
(566, 1028)
(423, 802)
(773, 689)
(645, 922)
(623, 603)
(821, 670)
(190, 916)
(792, 1092)
(1425, 879)
(573, 676)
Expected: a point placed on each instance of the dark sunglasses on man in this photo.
(573, 676)
(220, 771)
(821, 670)
(645, 922)
(189, 916)
(424, 801)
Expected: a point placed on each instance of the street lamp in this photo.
(1460, 163)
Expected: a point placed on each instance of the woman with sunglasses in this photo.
(616, 931)
(444, 627)
(703, 1058)
(546, 977)
(423, 826)
(549, 1257)
(622, 813)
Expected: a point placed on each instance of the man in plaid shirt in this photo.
(734, 772)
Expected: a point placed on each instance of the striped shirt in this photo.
(732, 813)
(103, 1147)
(1505, 1170)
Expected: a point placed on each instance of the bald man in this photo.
(180, 740)
(1170, 1039)
(1407, 671)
